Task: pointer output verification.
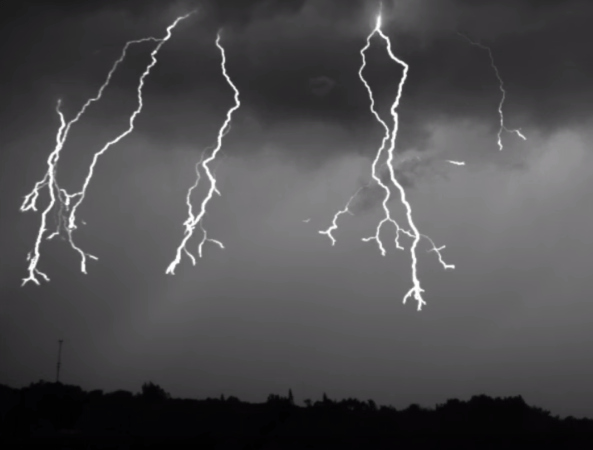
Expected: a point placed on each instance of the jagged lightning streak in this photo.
(189, 203)
(31, 200)
(502, 90)
(194, 220)
(334, 225)
(49, 180)
(456, 163)
(416, 290)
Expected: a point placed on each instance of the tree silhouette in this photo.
(153, 392)
(76, 419)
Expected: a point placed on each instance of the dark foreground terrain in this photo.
(56, 416)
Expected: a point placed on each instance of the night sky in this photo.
(280, 307)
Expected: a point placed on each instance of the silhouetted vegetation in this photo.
(54, 415)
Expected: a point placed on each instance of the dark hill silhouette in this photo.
(55, 415)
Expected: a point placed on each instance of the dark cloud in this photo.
(134, 7)
(543, 63)
(321, 86)
(222, 12)
(368, 199)
(242, 12)
(275, 49)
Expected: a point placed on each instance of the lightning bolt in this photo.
(502, 90)
(456, 163)
(193, 220)
(416, 290)
(334, 225)
(437, 250)
(60, 195)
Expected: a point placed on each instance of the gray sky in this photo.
(280, 307)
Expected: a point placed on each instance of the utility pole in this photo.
(59, 360)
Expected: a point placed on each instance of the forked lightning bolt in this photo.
(194, 220)
(416, 290)
(502, 90)
(58, 194)
(334, 225)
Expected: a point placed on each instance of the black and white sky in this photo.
(280, 307)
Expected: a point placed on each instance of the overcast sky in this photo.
(280, 307)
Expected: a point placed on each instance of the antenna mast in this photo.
(59, 360)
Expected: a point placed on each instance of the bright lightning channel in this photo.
(502, 90)
(456, 163)
(334, 225)
(193, 220)
(416, 290)
(58, 194)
